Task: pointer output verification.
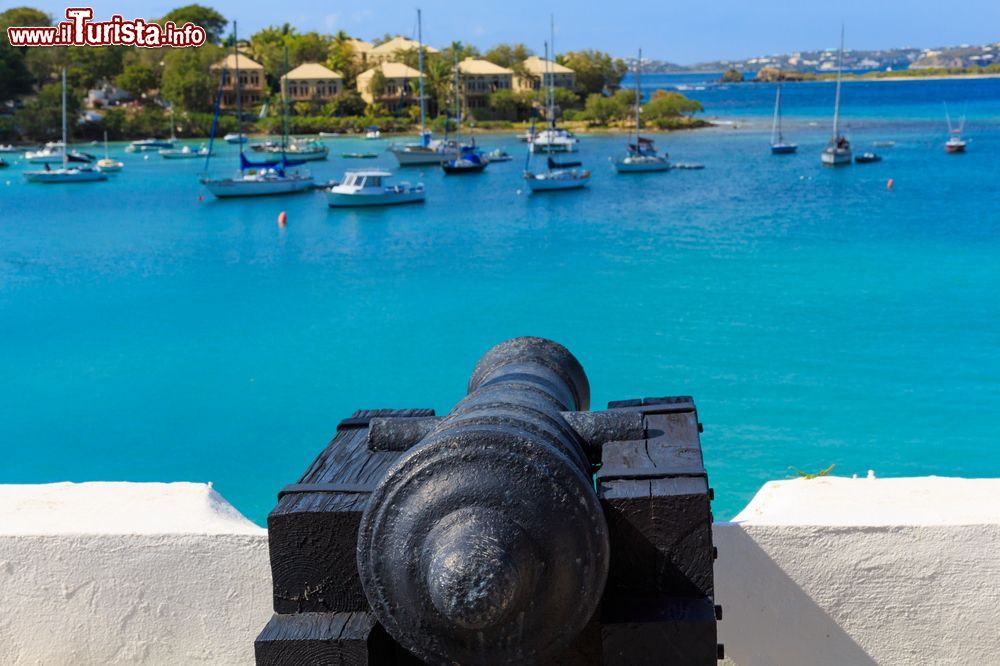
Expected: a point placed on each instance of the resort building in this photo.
(361, 49)
(394, 48)
(253, 86)
(480, 78)
(535, 68)
(402, 84)
(312, 81)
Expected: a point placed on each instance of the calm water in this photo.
(817, 317)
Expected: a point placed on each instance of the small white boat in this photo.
(235, 137)
(7, 148)
(66, 173)
(106, 164)
(368, 187)
(308, 150)
(330, 134)
(184, 153)
(148, 145)
(372, 133)
(427, 151)
(555, 140)
(499, 155)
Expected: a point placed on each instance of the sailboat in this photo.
(778, 144)
(955, 142)
(470, 158)
(108, 165)
(65, 174)
(256, 178)
(559, 175)
(428, 150)
(642, 155)
(838, 153)
(553, 139)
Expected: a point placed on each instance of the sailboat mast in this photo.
(775, 128)
(284, 109)
(552, 69)
(545, 84)
(638, 94)
(239, 99)
(420, 65)
(65, 142)
(836, 103)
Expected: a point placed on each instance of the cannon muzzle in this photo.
(489, 527)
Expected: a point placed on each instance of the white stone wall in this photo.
(125, 573)
(825, 571)
(836, 571)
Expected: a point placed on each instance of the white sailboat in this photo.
(642, 156)
(558, 176)
(553, 139)
(108, 165)
(427, 150)
(778, 144)
(184, 153)
(65, 174)
(838, 153)
(257, 178)
(955, 143)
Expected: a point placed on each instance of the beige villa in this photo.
(361, 49)
(392, 49)
(401, 83)
(312, 81)
(480, 78)
(253, 86)
(562, 76)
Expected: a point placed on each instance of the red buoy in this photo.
(888, 185)
(282, 219)
(200, 198)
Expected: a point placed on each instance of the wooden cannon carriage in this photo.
(518, 529)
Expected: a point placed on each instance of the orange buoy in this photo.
(282, 219)
(888, 185)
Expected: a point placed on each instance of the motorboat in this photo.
(555, 140)
(65, 173)
(369, 187)
(57, 156)
(359, 156)
(235, 137)
(867, 158)
(149, 145)
(8, 148)
(955, 144)
(372, 133)
(499, 155)
(184, 153)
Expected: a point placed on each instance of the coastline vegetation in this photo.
(773, 75)
(155, 80)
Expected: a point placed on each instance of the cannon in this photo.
(520, 528)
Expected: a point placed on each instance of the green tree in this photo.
(348, 103)
(15, 79)
(595, 70)
(308, 47)
(377, 84)
(340, 58)
(41, 117)
(664, 107)
(188, 82)
(136, 79)
(212, 21)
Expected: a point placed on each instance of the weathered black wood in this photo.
(656, 500)
(658, 632)
(327, 639)
(313, 535)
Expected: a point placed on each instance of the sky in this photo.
(681, 32)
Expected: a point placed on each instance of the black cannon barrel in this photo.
(485, 543)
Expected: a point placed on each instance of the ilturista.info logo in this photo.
(81, 30)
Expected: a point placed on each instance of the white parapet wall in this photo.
(813, 572)
(129, 573)
(837, 571)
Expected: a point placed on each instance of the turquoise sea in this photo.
(816, 316)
